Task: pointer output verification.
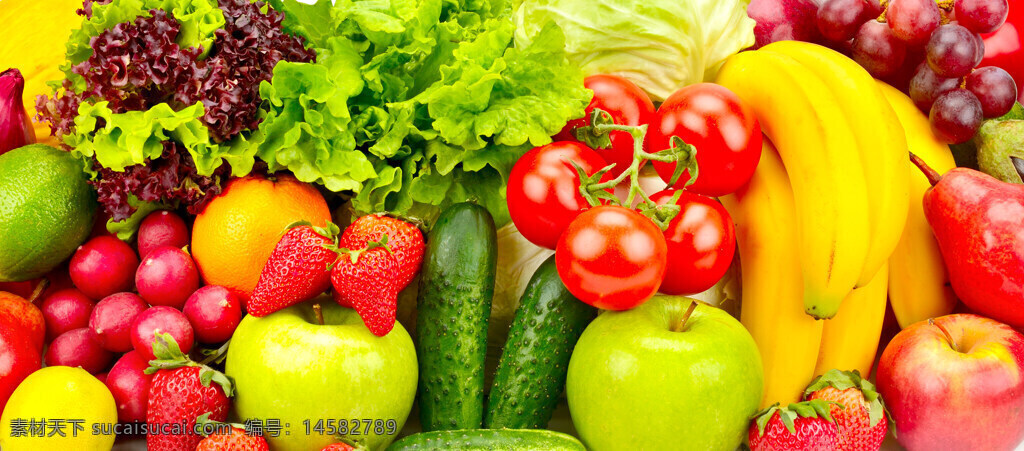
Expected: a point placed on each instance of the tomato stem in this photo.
(595, 191)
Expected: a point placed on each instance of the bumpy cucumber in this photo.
(489, 439)
(456, 287)
(531, 372)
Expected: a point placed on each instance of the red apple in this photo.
(955, 382)
(19, 357)
(25, 314)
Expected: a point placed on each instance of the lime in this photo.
(59, 400)
(46, 210)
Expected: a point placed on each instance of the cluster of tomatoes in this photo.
(613, 256)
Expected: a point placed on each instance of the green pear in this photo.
(1001, 150)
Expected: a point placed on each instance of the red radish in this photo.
(102, 377)
(167, 276)
(103, 266)
(162, 228)
(214, 312)
(66, 310)
(161, 319)
(129, 384)
(78, 348)
(111, 320)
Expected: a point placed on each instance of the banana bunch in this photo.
(826, 209)
(918, 282)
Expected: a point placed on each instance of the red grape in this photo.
(130, 387)
(65, 310)
(838, 20)
(78, 348)
(161, 319)
(161, 228)
(982, 16)
(980, 44)
(956, 116)
(994, 88)
(926, 86)
(878, 50)
(167, 276)
(214, 312)
(111, 320)
(103, 266)
(784, 20)
(875, 8)
(953, 51)
(913, 21)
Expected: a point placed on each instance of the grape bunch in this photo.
(929, 48)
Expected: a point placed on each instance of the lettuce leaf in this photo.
(415, 104)
(199, 20)
(661, 45)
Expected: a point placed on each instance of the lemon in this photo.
(55, 396)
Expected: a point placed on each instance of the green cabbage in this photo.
(661, 45)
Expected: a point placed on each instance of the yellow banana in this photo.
(772, 286)
(802, 117)
(918, 281)
(850, 339)
(880, 140)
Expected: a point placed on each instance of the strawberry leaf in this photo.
(762, 418)
(844, 380)
(168, 354)
(208, 375)
(788, 417)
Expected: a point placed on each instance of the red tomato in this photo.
(626, 103)
(1005, 47)
(701, 243)
(543, 190)
(611, 257)
(723, 129)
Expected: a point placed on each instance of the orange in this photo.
(236, 233)
(16, 311)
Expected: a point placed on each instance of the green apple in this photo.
(655, 378)
(322, 381)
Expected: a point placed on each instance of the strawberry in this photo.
(228, 437)
(404, 239)
(297, 270)
(803, 426)
(862, 420)
(338, 447)
(181, 391)
(365, 279)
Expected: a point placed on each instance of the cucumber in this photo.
(456, 287)
(489, 439)
(531, 373)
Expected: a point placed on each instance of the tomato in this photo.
(543, 190)
(1005, 47)
(725, 132)
(701, 243)
(626, 103)
(611, 257)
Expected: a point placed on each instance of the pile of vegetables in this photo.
(405, 106)
(161, 95)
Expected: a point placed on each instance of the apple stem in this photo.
(933, 177)
(38, 290)
(945, 332)
(681, 325)
(319, 314)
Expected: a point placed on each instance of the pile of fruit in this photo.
(511, 224)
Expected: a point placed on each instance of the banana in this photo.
(772, 282)
(918, 281)
(801, 115)
(880, 140)
(850, 339)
